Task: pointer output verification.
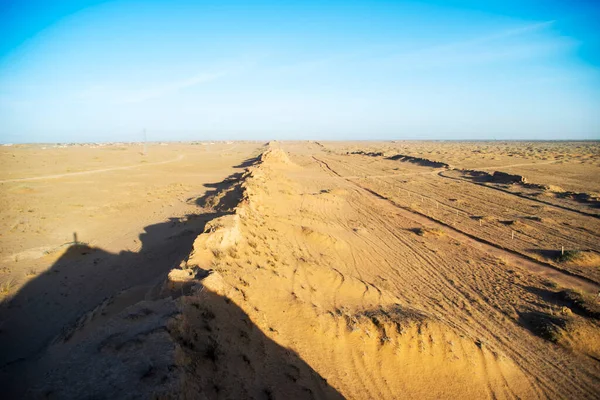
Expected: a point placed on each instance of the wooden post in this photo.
(562, 250)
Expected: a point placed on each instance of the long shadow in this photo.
(476, 176)
(572, 299)
(542, 324)
(81, 279)
(249, 162)
(550, 254)
(200, 346)
(423, 162)
(230, 357)
(584, 198)
(223, 196)
(45, 311)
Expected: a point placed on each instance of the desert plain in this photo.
(360, 270)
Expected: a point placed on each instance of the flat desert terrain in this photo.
(280, 270)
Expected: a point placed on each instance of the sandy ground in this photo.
(570, 165)
(106, 195)
(313, 273)
(130, 213)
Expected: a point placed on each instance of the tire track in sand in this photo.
(562, 277)
(94, 171)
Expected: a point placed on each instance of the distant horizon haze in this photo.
(266, 140)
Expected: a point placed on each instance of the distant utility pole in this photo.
(144, 142)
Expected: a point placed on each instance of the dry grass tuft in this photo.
(569, 256)
(547, 326)
(7, 287)
(582, 303)
(425, 231)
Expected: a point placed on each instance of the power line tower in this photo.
(144, 152)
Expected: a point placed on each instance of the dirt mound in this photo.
(401, 351)
(566, 329)
(226, 197)
(307, 286)
(424, 162)
(425, 231)
(275, 155)
(481, 176)
(349, 329)
(133, 356)
(582, 303)
(220, 235)
(580, 258)
(554, 189)
(224, 355)
(503, 177)
(590, 198)
(367, 153)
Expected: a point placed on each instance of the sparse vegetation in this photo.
(547, 326)
(7, 287)
(582, 303)
(233, 252)
(568, 256)
(447, 289)
(218, 253)
(425, 231)
(551, 284)
(535, 218)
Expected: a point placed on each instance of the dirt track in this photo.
(325, 275)
(545, 270)
(94, 171)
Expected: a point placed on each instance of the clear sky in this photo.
(105, 70)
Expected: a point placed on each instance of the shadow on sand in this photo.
(46, 310)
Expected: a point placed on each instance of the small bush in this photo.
(424, 231)
(7, 287)
(546, 326)
(581, 303)
(568, 255)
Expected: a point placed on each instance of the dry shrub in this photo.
(568, 256)
(425, 231)
(581, 303)
(546, 326)
(7, 287)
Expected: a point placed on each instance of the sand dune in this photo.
(322, 274)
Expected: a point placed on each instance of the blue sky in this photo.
(104, 71)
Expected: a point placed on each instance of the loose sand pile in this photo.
(306, 284)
